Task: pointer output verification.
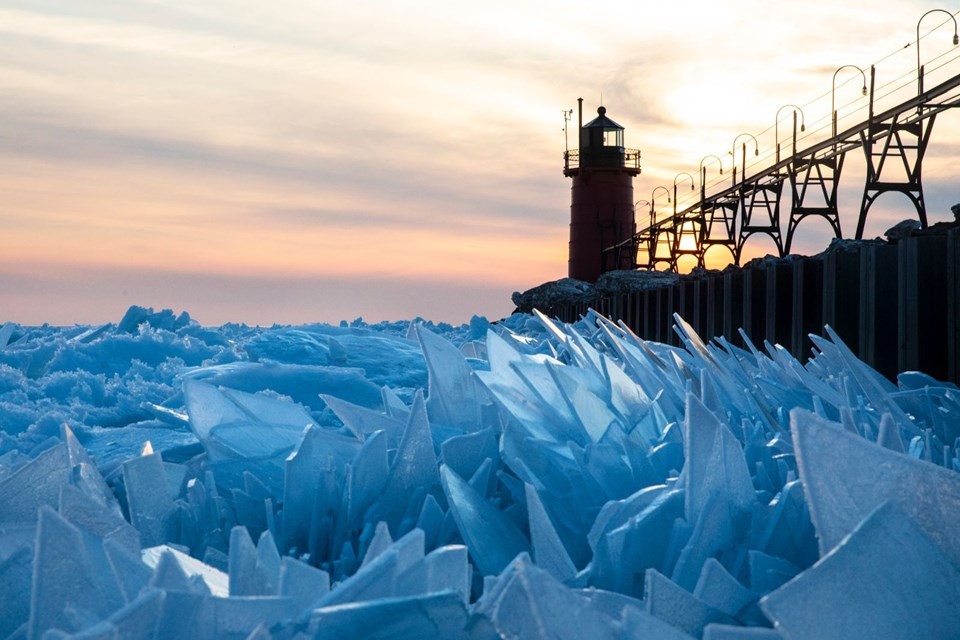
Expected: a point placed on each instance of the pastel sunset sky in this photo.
(296, 161)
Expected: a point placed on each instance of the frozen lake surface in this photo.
(523, 479)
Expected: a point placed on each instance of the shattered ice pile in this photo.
(527, 479)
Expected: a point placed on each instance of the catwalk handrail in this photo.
(631, 159)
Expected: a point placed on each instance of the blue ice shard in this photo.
(301, 582)
(217, 582)
(714, 463)
(6, 332)
(889, 434)
(729, 632)
(151, 508)
(712, 536)
(268, 559)
(34, 484)
(413, 473)
(95, 517)
(367, 478)
(679, 607)
(378, 578)
(16, 569)
(769, 572)
(244, 432)
(131, 571)
(548, 550)
(624, 554)
(846, 477)
(431, 521)
(443, 569)
(717, 588)
(492, 538)
(637, 623)
(454, 397)
(788, 532)
(484, 480)
(615, 513)
(302, 383)
(168, 575)
(363, 421)
(73, 584)
(85, 475)
(590, 408)
(381, 542)
(317, 464)
(235, 617)
(913, 586)
(464, 454)
(141, 618)
(508, 384)
(436, 615)
(254, 570)
(527, 602)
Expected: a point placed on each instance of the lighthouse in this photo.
(601, 198)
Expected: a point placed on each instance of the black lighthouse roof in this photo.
(602, 121)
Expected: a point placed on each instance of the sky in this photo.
(300, 161)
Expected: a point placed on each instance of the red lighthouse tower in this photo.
(601, 197)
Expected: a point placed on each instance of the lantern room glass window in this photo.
(613, 137)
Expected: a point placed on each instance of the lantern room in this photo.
(601, 142)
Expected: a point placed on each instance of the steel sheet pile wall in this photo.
(897, 306)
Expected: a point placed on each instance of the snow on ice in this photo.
(526, 479)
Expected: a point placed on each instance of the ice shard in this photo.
(443, 569)
(454, 397)
(846, 477)
(714, 463)
(367, 478)
(16, 569)
(548, 550)
(362, 421)
(318, 462)
(381, 542)
(97, 518)
(729, 632)
(717, 588)
(624, 553)
(679, 607)
(437, 615)
(217, 582)
(73, 585)
(378, 579)
(242, 431)
(464, 454)
(713, 535)
(413, 473)
(6, 332)
(301, 582)
(912, 586)
(151, 508)
(527, 602)
(637, 623)
(492, 538)
(34, 484)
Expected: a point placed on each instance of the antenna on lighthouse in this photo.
(567, 114)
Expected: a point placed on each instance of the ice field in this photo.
(523, 479)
